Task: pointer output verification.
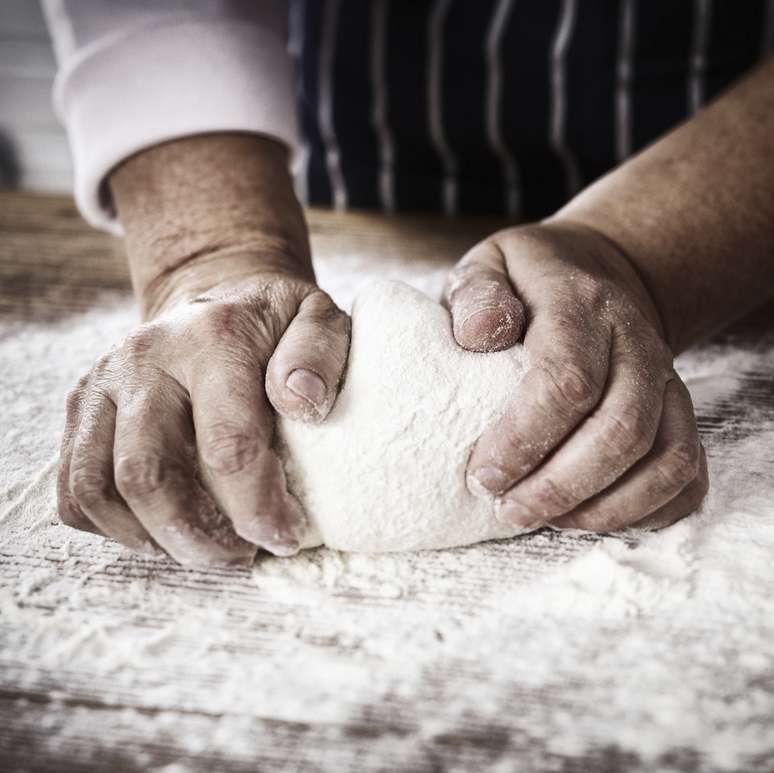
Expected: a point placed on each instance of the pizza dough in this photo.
(386, 470)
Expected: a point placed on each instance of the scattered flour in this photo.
(554, 652)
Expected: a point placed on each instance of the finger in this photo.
(304, 373)
(564, 383)
(68, 509)
(91, 476)
(674, 462)
(234, 431)
(155, 473)
(686, 502)
(486, 314)
(617, 434)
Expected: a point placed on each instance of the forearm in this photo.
(695, 212)
(206, 209)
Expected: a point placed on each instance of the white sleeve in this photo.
(134, 73)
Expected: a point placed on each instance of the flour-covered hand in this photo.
(169, 439)
(178, 419)
(600, 433)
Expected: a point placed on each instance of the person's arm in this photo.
(694, 213)
(133, 74)
(179, 415)
(662, 251)
(206, 209)
(181, 118)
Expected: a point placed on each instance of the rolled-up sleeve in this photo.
(135, 73)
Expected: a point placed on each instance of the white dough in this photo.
(386, 470)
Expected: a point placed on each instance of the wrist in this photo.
(203, 210)
(219, 270)
(620, 262)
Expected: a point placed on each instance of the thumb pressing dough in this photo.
(386, 470)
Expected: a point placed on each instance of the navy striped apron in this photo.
(504, 107)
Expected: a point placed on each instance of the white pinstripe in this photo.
(325, 117)
(379, 113)
(295, 47)
(493, 106)
(623, 95)
(702, 10)
(434, 75)
(301, 176)
(559, 97)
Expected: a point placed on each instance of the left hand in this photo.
(600, 433)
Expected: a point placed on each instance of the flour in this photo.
(386, 470)
(548, 652)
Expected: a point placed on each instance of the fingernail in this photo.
(487, 481)
(514, 514)
(307, 385)
(481, 315)
(283, 548)
(491, 328)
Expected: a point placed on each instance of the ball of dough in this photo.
(386, 470)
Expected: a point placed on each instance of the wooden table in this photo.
(52, 263)
(113, 662)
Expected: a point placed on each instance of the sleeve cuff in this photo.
(154, 84)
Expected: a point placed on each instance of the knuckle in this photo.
(585, 522)
(483, 261)
(627, 433)
(96, 382)
(88, 485)
(331, 326)
(76, 394)
(102, 367)
(228, 449)
(69, 513)
(685, 455)
(511, 445)
(460, 279)
(515, 453)
(237, 326)
(140, 474)
(141, 341)
(679, 465)
(551, 498)
(322, 308)
(602, 519)
(221, 317)
(568, 385)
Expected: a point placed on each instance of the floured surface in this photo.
(386, 470)
(546, 652)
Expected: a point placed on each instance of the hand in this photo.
(176, 419)
(600, 433)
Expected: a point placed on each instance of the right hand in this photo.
(168, 439)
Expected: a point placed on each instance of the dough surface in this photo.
(386, 470)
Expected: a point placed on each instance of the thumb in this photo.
(486, 314)
(303, 374)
